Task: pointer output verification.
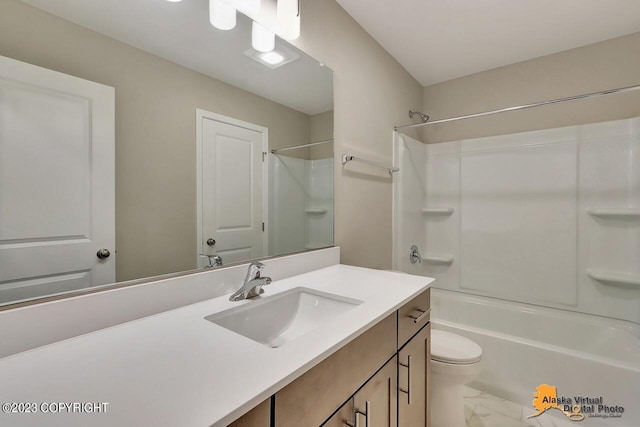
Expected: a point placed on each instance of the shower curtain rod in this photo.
(301, 146)
(525, 106)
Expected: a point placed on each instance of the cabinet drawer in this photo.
(413, 316)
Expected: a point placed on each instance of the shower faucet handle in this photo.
(414, 255)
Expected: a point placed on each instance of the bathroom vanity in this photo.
(381, 373)
(196, 365)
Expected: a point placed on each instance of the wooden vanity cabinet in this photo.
(313, 397)
(413, 369)
(414, 360)
(413, 316)
(376, 401)
(374, 404)
(260, 416)
(344, 417)
(387, 366)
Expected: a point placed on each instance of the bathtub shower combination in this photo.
(534, 241)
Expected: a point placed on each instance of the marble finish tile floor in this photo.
(485, 410)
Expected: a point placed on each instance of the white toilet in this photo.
(455, 360)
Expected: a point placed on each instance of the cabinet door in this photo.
(342, 418)
(260, 416)
(376, 403)
(414, 360)
(316, 394)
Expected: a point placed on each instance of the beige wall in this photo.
(372, 93)
(321, 129)
(605, 65)
(155, 130)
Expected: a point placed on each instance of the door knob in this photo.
(211, 241)
(103, 253)
(414, 255)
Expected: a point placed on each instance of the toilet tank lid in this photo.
(453, 348)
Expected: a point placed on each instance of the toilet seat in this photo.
(447, 347)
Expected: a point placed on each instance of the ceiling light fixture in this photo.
(222, 15)
(278, 57)
(248, 7)
(262, 39)
(288, 19)
(271, 17)
(272, 58)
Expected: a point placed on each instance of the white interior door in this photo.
(232, 177)
(57, 204)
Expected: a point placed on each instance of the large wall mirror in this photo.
(219, 154)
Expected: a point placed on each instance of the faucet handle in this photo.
(208, 258)
(212, 258)
(254, 271)
(256, 268)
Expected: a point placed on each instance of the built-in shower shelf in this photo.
(614, 278)
(620, 213)
(315, 211)
(437, 211)
(438, 259)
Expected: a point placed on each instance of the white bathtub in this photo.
(525, 346)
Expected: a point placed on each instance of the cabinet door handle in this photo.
(358, 412)
(407, 391)
(423, 314)
(366, 413)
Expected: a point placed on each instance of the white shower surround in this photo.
(300, 204)
(514, 228)
(521, 225)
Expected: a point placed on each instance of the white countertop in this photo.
(178, 369)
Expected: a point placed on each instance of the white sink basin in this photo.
(276, 320)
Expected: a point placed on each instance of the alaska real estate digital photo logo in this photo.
(576, 407)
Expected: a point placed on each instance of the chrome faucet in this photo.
(253, 283)
(214, 260)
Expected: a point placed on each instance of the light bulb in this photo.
(288, 19)
(262, 39)
(272, 58)
(222, 15)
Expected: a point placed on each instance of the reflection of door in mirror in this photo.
(232, 188)
(57, 216)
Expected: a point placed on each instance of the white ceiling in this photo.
(181, 33)
(439, 40)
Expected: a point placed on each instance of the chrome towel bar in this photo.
(347, 158)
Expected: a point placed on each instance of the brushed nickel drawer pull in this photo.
(418, 319)
(358, 412)
(407, 391)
